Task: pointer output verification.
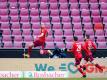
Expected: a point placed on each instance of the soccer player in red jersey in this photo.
(77, 51)
(39, 41)
(88, 46)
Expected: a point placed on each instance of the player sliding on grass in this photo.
(88, 45)
(77, 51)
(39, 41)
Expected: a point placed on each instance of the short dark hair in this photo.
(87, 36)
(75, 38)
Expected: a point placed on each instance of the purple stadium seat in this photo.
(104, 13)
(34, 12)
(36, 26)
(5, 26)
(96, 19)
(67, 26)
(73, 1)
(54, 13)
(24, 19)
(77, 26)
(103, 1)
(8, 45)
(75, 13)
(45, 19)
(74, 6)
(60, 44)
(76, 20)
(66, 19)
(88, 26)
(32, 1)
(90, 32)
(16, 32)
(13, 5)
(49, 45)
(26, 32)
(53, 6)
(26, 26)
(99, 33)
(23, 5)
(103, 6)
(13, 12)
(64, 13)
(68, 32)
(3, 5)
(44, 12)
(58, 39)
(93, 1)
(36, 32)
(105, 27)
(17, 44)
(86, 19)
(102, 45)
(18, 38)
(57, 26)
(28, 38)
(95, 13)
(63, 1)
(3, 0)
(58, 32)
(49, 39)
(69, 45)
(7, 38)
(3, 12)
(42, 1)
(100, 39)
(15, 26)
(43, 6)
(35, 19)
(94, 6)
(84, 6)
(83, 1)
(63, 6)
(69, 38)
(85, 12)
(24, 12)
(4, 19)
(105, 19)
(78, 32)
(14, 19)
(33, 5)
(53, 1)
(80, 38)
(6, 32)
(22, 1)
(55, 19)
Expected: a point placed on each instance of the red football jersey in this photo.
(88, 45)
(44, 32)
(77, 49)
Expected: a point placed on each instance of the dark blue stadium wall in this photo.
(18, 53)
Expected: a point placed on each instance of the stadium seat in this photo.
(73, 1)
(102, 45)
(14, 19)
(53, 6)
(8, 45)
(68, 32)
(5, 26)
(63, 6)
(83, 1)
(49, 45)
(67, 26)
(15, 26)
(16, 32)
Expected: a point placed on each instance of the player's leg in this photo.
(97, 65)
(77, 64)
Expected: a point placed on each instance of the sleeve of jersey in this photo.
(94, 46)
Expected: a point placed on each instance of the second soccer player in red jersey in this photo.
(40, 40)
(77, 51)
(88, 46)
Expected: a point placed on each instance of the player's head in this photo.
(75, 38)
(42, 25)
(87, 36)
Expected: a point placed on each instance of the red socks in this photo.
(29, 50)
(99, 67)
(81, 71)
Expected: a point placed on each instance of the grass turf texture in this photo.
(55, 79)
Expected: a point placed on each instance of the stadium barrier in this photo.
(42, 64)
(18, 53)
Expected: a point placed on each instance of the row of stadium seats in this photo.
(20, 21)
